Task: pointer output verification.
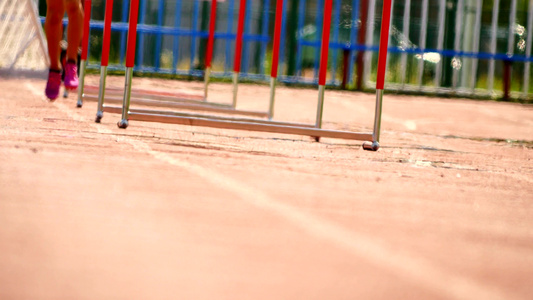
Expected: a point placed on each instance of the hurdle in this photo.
(84, 49)
(371, 140)
(150, 98)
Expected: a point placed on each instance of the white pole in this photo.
(457, 42)
(422, 46)
(493, 40)
(440, 41)
(528, 48)
(512, 21)
(405, 33)
(477, 27)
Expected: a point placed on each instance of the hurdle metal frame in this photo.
(371, 140)
(150, 98)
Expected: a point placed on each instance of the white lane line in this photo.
(421, 272)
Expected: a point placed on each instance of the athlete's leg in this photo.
(53, 27)
(74, 33)
(54, 30)
(75, 27)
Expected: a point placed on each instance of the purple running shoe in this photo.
(53, 85)
(71, 75)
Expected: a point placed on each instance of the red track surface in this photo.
(444, 210)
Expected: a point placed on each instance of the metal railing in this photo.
(461, 47)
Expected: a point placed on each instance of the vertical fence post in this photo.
(194, 29)
(175, 46)
(353, 40)
(142, 20)
(457, 42)
(405, 33)
(264, 32)
(422, 43)
(318, 24)
(493, 42)
(160, 15)
(299, 37)
(477, 33)
(362, 42)
(440, 42)
(367, 65)
(335, 50)
(529, 41)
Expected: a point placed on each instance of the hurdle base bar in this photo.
(249, 126)
(374, 146)
(161, 96)
(81, 85)
(200, 106)
(118, 110)
(101, 94)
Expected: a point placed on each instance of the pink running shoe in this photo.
(71, 75)
(53, 85)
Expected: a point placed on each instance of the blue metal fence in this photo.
(171, 33)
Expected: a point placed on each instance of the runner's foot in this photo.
(71, 75)
(53, 84)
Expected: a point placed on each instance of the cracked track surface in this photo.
(89, 211)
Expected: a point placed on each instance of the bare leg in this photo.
(75, 27)
(54, 30)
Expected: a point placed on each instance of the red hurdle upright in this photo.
(380, 82)
(371, 139)
(210, 45)
(130, 61)
(326, 26)
(105, 59)
(84, 48)
(275, 56)
(238, 50)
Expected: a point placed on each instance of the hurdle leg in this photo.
(81, 86)
(238, 50)
(235, 88)
(105, 59)
(273, 82)
(326, 25)
(101, 94)
(275, 56)
(206, 81)
(380, 82)
(130, 62)
(126, 100)
(210, 44)
(84, 49)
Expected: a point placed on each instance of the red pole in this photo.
(86, 29)
(107, 32)
(132, 33)
(383, 44)
(325, 43)
(211, 39)
(362, 41)
(238, 39)
(277, 34)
